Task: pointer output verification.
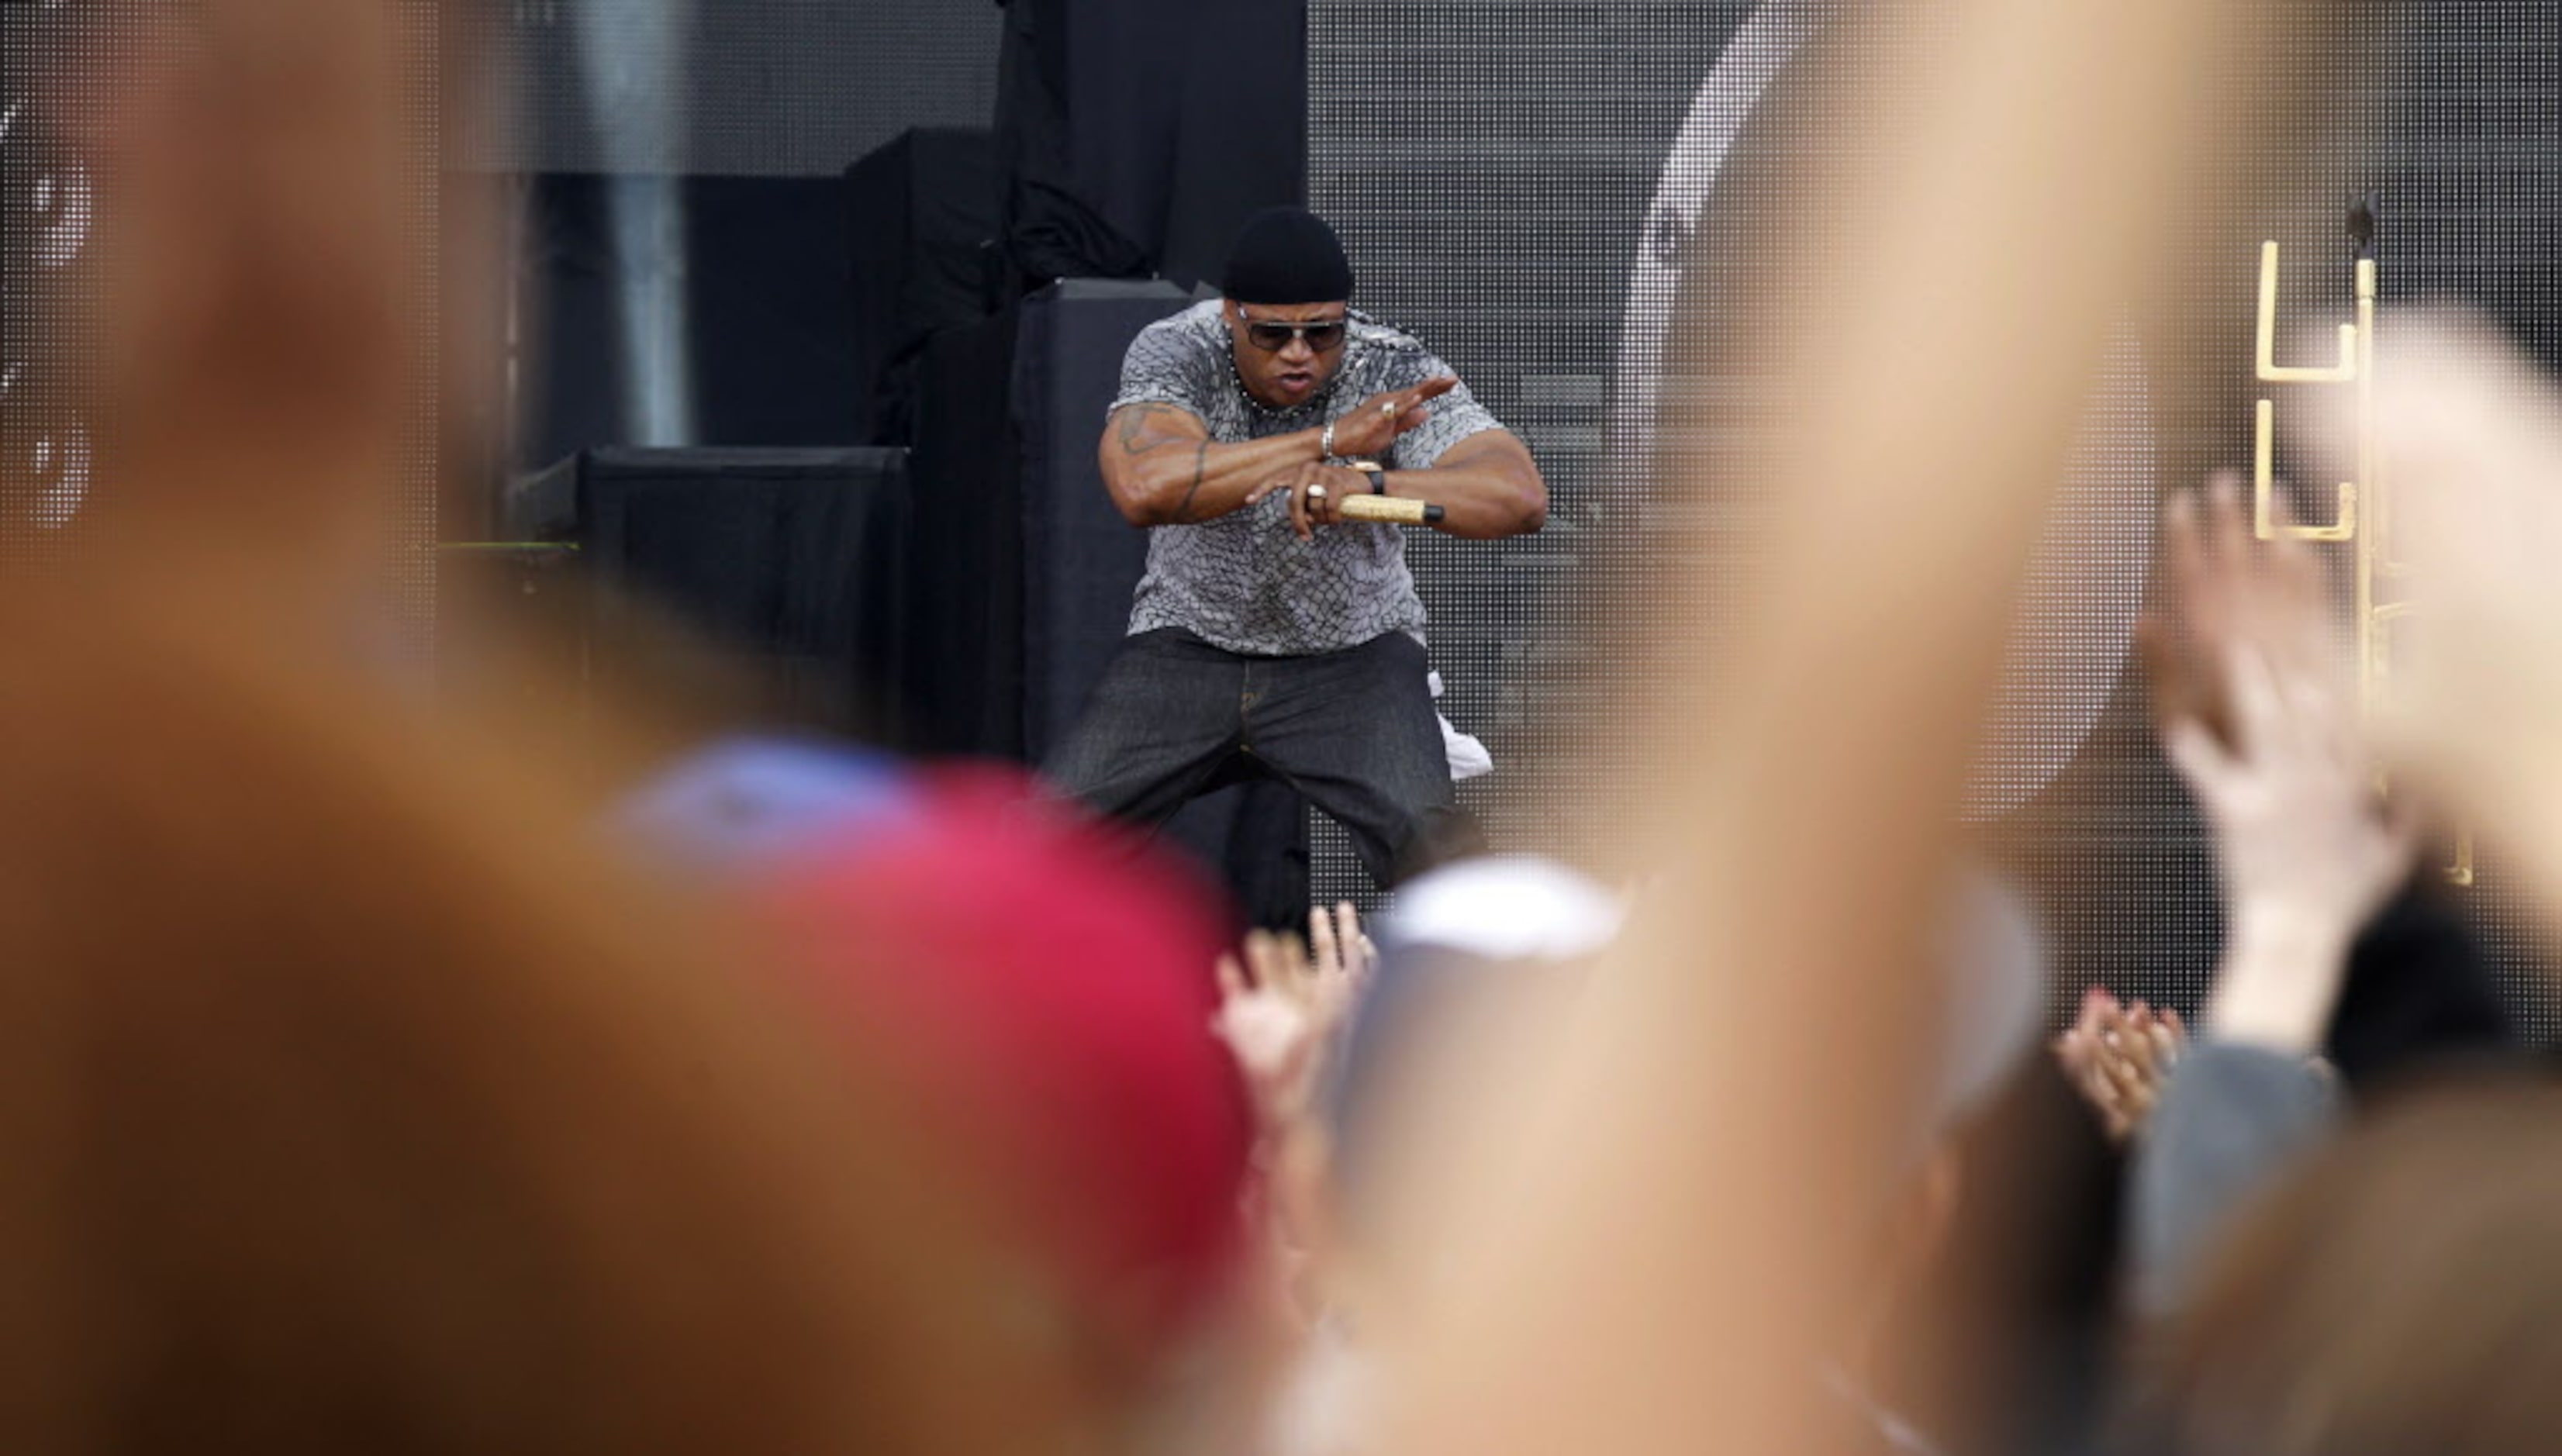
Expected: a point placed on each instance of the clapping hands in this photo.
(2119, 1057)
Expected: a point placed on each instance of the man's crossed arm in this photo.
(1162, 469)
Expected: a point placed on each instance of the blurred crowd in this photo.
(390, 1067)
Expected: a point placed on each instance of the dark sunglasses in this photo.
(1325, 335)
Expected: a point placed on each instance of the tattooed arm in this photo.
(1162, 470)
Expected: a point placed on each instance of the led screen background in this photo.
(65, 60)
(731, 88)
(46, 224)
(1563, 198)
(1547, 192)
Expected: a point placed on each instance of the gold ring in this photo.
(1315, 492)
(1388, 408)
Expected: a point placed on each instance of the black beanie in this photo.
(1287, 255)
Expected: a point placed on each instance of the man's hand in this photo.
(1316, 494)
(1376, 422)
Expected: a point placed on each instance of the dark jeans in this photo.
(1353, 731)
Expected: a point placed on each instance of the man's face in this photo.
(1285, 353)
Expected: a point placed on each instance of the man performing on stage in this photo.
(1270, 633)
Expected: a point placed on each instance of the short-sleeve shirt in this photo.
(1245, 581)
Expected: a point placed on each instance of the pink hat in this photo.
(1045, 991)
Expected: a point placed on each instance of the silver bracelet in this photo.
(1325, 441)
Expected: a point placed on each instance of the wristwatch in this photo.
(1377, 474)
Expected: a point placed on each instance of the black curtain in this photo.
(768, 305)
(1141, 137)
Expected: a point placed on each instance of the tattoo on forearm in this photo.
(1134, 438)
(1201, 468)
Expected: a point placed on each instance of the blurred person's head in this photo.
(2401, 1292)
(1287, 287)
(734, 809)
(1040, 997)
(1930, 1305)
(354, 1103)
(1482, 963)
(1987, 962)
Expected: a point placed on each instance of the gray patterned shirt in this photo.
(1245, 581)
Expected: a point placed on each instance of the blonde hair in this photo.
(2403, 1292)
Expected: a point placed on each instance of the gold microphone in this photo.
(1398, 510)
(1394, 510)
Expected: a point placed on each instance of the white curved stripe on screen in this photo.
(1760, 50)
(2086, 583)
(62, 206)
(2083, 590)
(70, 204)
(61, 497)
